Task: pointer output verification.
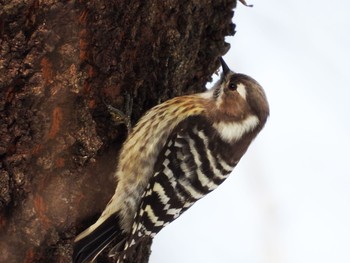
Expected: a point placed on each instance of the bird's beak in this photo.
(225, 68)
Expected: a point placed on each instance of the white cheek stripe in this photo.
(234, 131)
(241, 90)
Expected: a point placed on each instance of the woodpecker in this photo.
(177, 153)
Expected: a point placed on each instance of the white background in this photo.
(289, 198)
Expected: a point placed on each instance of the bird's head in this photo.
(238, 96)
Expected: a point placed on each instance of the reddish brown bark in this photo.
(59, 60)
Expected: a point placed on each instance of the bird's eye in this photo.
(232, 86)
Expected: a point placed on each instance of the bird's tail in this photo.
(90, 243)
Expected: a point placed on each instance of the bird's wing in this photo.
(189, 166)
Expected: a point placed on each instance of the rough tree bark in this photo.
(59, 61)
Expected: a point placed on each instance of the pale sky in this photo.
(288, 200)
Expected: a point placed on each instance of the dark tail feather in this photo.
(91, 245)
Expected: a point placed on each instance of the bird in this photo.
(177, 153)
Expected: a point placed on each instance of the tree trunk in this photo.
(60, 62)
